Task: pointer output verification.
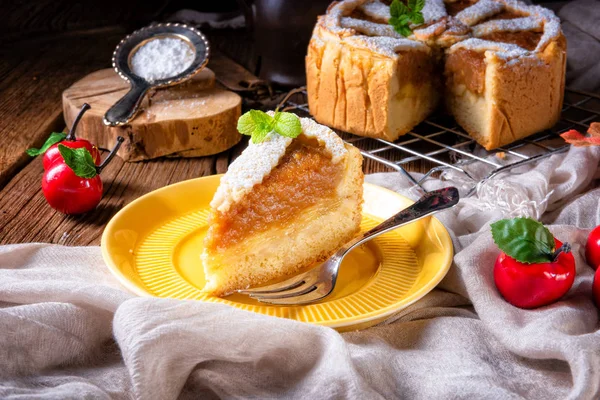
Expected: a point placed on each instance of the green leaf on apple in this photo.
(524, 239)
(55, 137)
(79, 160)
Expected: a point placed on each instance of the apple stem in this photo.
(71, 136)
(111, 155)
(565, 248)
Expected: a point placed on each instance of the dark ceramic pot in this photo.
(282, 29)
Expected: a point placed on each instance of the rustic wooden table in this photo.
(31, 83)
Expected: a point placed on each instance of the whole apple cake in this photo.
(498, 65)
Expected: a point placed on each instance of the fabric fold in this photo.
(70, 330)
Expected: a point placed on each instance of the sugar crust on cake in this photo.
(258, 160)
(370, 28)
(505, 50)
(381, 38)
(478, 11)
(376, 10)
(342, 76)
(508, 25)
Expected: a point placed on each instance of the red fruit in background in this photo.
(52, 154)
(69, 193)
(596, 288)
(50, 147)
(534, 285)
(534, 268)
(73, 185)
(592, 248)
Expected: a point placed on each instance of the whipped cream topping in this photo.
(258, 160)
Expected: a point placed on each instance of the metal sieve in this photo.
(126, 108)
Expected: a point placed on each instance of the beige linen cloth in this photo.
(69, 330)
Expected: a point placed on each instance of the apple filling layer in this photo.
(304, 176)
(467, 67)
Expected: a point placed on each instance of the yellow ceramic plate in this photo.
(153, 247)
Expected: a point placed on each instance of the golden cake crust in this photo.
(519, 98)
(349, 82)
(369, 81)
(256, 234)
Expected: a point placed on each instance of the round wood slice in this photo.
(194, 118)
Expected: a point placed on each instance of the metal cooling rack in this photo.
(443, 145)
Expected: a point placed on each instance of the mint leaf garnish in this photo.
(524, 239)
(287, 124)
(416, 18)
(250, 121)
(79, 160)
(260, 136)
(403, 14)
(258, 124)
(404, 31)
(398, 8)
(55, 137)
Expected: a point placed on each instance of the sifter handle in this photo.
(126, 108)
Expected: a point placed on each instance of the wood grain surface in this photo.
(30, 108)
(191, 119)
(32, 78)
(26, 217)
(35, 19)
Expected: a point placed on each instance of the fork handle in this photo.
(430, 203)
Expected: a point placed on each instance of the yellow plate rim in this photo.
(381, 314)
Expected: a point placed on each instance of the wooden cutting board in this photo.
(192, 119)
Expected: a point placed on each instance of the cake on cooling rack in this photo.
(282, 205)
(498, 64)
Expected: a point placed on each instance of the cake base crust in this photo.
(286, 247)
(518, 99)
(369, 94)
(503, 62)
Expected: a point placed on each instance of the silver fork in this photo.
(319, 282)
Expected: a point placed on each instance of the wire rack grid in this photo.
(443, 145)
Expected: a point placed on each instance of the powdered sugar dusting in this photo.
(325, 136)
(507, 25)
(258, 160)
(332, 20)
(370, 28)
(518, 6)
(386, 46)
(551, 31)
(445, 31)
(478, 11)
(162, 58)
(505, 50)
(377, 10)
(551, 22)
(249, 169)
(433, 10)
(430, 31)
